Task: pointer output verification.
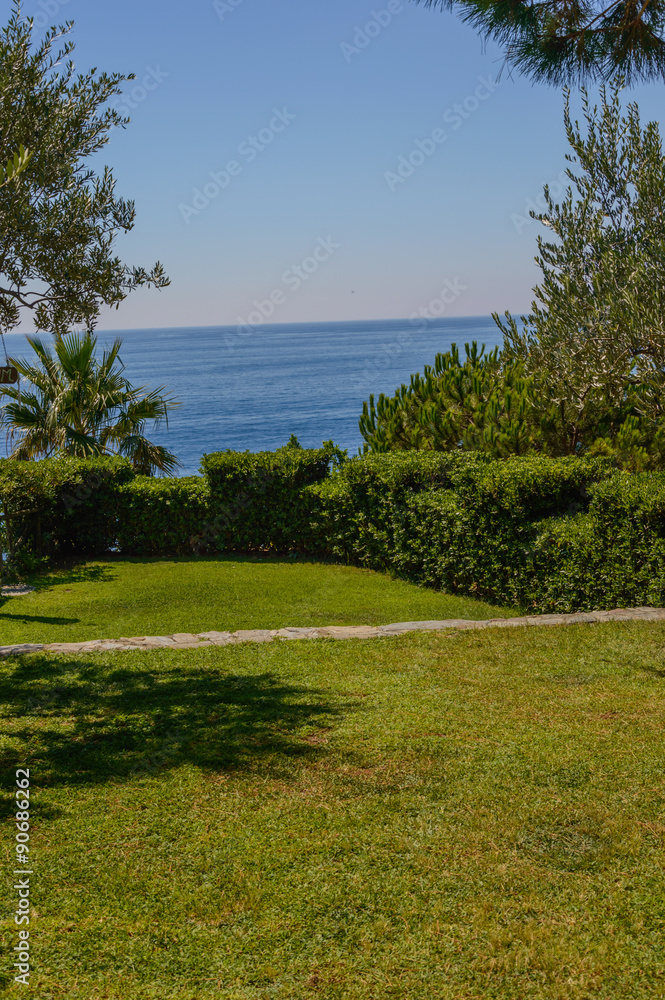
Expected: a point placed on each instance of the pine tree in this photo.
(572, 41)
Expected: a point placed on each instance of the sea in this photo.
(250, 389)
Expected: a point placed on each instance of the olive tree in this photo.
(595, 338)
(60, 219)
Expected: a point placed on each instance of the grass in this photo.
(129, 597)
(454, 816)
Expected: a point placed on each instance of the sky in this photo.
(315, 160)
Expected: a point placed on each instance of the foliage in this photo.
(473, 531)
(257, 497)
(479, 404)
(544, 534)
(83, 406)
(558, 41)
(156, 516)
(585, 371)
(16, 164)
(354, 512)
(614, 555)
(58, 223)
(57, 507)
(594, 343)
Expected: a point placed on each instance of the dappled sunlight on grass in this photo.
(461, 815)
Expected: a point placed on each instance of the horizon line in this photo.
(263, 326)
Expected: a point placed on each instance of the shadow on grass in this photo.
(37, 619)
(75, 573)
(83, 723)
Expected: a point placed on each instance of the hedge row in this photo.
(548, 534)
(258, 499)
(477, 531)
(161, 516)
(59, 506)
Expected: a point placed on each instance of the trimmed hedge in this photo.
(472, 532)
(162, 516)
(60, 505)
(547, 534)
(258, 499)
(356, 511)
(614, 555)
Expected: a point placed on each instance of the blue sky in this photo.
(305, 110)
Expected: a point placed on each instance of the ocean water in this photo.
(309, 379)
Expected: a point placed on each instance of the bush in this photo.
(548, 534)
(460, 521)
(356, 511)
(258, 499)
(59, 506)
(614, 555)
(162, 516)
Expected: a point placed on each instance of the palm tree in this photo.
(80, 405)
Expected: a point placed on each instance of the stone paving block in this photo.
(544, 620)
(217, 638)
(253, 635)
(181, 637)
(578, 618)
(506, 623)
(297, 633)
(26, 647)
(353, 631)
(465, 623)
(154, 641)
(64, 647)
(192, 645)
(400, 628)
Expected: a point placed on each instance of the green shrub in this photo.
(258, 499)
(59, 506)
(356, 511)
(162, 516)
(460, 521)
(548, 534)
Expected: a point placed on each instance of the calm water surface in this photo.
(308, 379)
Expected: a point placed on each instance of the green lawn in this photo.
(455, 816)
(131, 597)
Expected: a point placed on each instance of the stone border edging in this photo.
(190, 640)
